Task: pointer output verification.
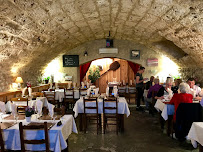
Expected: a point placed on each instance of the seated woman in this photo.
(155, 87)
(182, 97)
(165, 90)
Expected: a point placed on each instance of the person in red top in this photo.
(182, 97)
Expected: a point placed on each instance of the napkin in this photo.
(3, 107)
(23, 91)
(88, 92)
(14, 109)
(96, 91)
(131, 82)
(83, 85)
(107, 91)
(51, 109)
(88, 84)
(123, 82)
(39, 106)
(115, 91)
(30, 91)
(170, 93)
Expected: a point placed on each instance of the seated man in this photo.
(182, 97)
(194, 89)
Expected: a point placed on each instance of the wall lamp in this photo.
(85, 53)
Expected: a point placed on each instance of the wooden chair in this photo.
(122, 91)
(60, 110)
(20, 108)
(113, 115)
(131, 91)
(37, 94)
(69, 98)
(82, 90)
(1, 141)
(50, 95)
(89, 115)
(24, 141)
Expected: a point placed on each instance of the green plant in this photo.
(47, 78)
(94, 74)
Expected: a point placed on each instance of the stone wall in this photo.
(124, 49)
(196, 73)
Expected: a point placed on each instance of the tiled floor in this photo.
(142, 134)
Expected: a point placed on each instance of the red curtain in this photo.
(134, 66)
(83, 70)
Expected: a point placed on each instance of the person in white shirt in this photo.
(194, 89)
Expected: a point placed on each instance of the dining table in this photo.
(59, 94)
(58, 135)
(31, 103)
(195, 135)
(123, 109)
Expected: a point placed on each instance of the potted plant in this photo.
(94, 74)
(47, 80)
(29, 112)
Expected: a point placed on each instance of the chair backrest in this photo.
(186, 114)
(132, 90)
(154, 93)
(1, 141)
(50, 95)
(20, 108)
(121, 91)
(110, 104)
(82, 94)
(60, 110)
(90, 104)
(34, 127)
(37, 94)
(69, 94)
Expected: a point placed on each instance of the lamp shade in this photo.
(19, 80)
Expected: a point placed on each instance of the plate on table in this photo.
(11, 117)
(47, 117)
(6, 125)
(49, 124)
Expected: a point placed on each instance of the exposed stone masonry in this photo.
(33, 32)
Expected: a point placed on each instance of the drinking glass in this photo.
(16, 118)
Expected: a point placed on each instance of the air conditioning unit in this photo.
(108, 51)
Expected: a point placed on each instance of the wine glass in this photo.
(16, 118)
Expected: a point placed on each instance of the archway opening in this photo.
(124, 74)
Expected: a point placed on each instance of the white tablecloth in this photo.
(59, 94)
(24, 103)
(57, 135)
(196, 133)
(122, 106)
(159, 105)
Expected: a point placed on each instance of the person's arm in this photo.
(138, 79)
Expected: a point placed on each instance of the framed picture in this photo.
(135, 54)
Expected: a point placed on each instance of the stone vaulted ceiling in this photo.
(33, 32)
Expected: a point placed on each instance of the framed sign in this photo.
(70, 61)
(152, 62)
(135, 54)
